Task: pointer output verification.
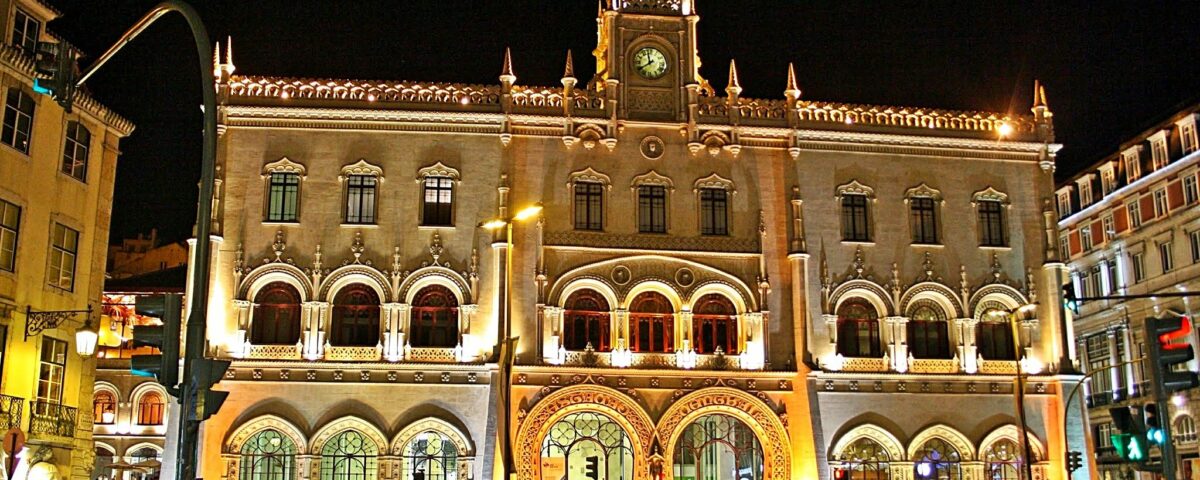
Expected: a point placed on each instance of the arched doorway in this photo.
(589, 441)
(718, 447)
(652, 323)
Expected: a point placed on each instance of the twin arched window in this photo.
(434, 318)
(652, 323)
(268, 455)
(355, 317)
(858, 329)
(586, 321)
(349, 455)
(276, 315)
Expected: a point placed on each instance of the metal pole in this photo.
(508, 360)
(1167, 449)
(1019, 397)
(197, 317)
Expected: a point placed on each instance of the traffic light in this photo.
(1154, 431)
(1130, 442)
(207, 372)
(1169, 349)
(839, 474)
(1069, 301)
(592, 468)
(163, 366)
(1074, 461)
(56, 62)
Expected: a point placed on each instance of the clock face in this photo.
(650, 63)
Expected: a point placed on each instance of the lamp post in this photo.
(506, 342)
(1019, 387)
(86, 338)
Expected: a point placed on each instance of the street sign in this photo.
(14, 441)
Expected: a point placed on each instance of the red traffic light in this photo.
(1174, 329)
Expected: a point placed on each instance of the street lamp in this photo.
(506, 343)
(86, 338)
(1014, 317)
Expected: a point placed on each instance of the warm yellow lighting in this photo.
(107, 417)
(370, 97)
(284, 95)
(494, 224)
(528, 212)
(1004, 129)
(465, 100)
(85, 339)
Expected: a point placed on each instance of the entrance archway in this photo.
(751, 412)
(601, 404)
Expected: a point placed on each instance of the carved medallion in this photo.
(620, 274)
(652, 148)
(684, 277)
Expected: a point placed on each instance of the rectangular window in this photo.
(1110, 227)
(1064, 251)
(1098, 360)
(1085, 284)
(1160, 202)
(1165, 257)
(1113, 285)
(360, 199)
(923, 220)
(1187, 137)
(1108, 181)
(1133, 170)
(991, 224)
(1190, 192)
(1094, 281)
(1064, 205)
(652, 209)
(1158, 152)
(1104, 433)
(63, 248)
(284, 197)
(438, 202)
(1085, 192)
(714, 211)
(75, 152)
(10, 226)
(25, 32)
(1135, 213)
(1139, 267)
(1085, 234)
(18, 120)
(52, 370)
(589, 206)
(1194, 237)
(855, 221)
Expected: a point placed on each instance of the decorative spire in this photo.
(1038, 95)
(569, 71)
(734, 87)
(506, 72)
(599, 8)
(229, 52)
(217, 61)
(792, 92)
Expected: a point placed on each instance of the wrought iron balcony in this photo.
(10, 412)
(47, 418)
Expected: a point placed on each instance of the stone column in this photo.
(314, 330)
(752, 341)
(1085, 362)
(552, 334)
(307, 466)
(897, 343)
(393, 337)
(1114, 358)
(470, 345)
(245, 317)
(901, 470)
(968, 351)
(683, 331)
(831, 332)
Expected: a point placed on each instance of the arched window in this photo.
(434, 318)
(652, 321)
(993, 335)
(147, 459)
(858, 329)
(937, 460)
(105, 456)
(430, 456)
(349, 455)
(928, 333)
(714, 325)
(355, 317)
(276, 315)
(150, 409)
(268, 455)
(718, 447)
(1003, 460)
(865, 459)
(581, 435)
(104, 407)
(585, 321)
(1185, 429)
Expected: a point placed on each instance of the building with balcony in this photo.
(1130, 226)
(716, 287)
(57, 170)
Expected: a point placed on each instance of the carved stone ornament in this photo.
(621, 275)
(438, 170)
(684, 277)
(652, 178)
(923, 191)
(361, 167)
(714, 181)
(854, 188)
(989, 194)
(652, 148)
(588, 175)
(283, 165)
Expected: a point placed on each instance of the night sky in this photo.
(1111, 69)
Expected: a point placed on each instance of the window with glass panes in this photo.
(437, 205)
(923, 220)
(10, 226)
(1098, 360)
(714, 211)
(1063, 251)
(283, 204)
(1113, 284)
(589, 206)
(1165, 257)
(75, 151)
(1160, 202)
(1110, 229)
(63, 249)
(1139, 266)
(855, 222)
(991, 223)
(51, 370)
(1191, 193)
(1135, 213)
(18, 120)
(25, 32)
(1193, 238)
(360, 198)
(1104, 432)
(1085, 235)
(652, 209)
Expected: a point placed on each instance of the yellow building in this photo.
(56, 183)
(718, 286)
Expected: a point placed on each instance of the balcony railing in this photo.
(10, 412)
(47, 418)
(1099, 399)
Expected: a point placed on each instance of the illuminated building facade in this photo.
(1129, 226)
(56, 181)
(717, 285)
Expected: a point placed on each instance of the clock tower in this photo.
(646, 51)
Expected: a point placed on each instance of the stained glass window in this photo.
(268, 455)
(718, 447)
(430, 456)
(349, 455)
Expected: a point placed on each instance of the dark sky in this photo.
(1110, 68)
